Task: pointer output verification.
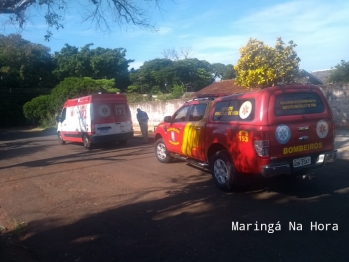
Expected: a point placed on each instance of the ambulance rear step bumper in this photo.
(286, 168)
(191, 161)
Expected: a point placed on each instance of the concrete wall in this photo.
(156, 111)
(337, 95)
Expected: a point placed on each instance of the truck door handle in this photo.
(197, 128)
(179, 128)
(304, 138)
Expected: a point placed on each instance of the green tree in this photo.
(193, 74)
(24, 64)
(100, 13)
(97, 63)
(261, 65)
(73, 87)
(40, 109)
(163, 75)
(224, 72)
(152, 77)
(43, 108)
(340, 73)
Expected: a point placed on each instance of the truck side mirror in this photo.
(58, 118)
(168, 119)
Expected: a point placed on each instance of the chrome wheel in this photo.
(220, 171)
(223, 170)
(161, 152)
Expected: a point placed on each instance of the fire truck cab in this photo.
(280, 130)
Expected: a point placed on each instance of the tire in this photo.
(87, 141)
(223, 171)
(60, 139)
(122, 142)
(161, 152)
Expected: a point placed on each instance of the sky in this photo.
(213, 30)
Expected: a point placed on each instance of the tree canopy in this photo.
(340, 73)
(102, 14)
(24, 64)
(261, 65)
(43, 108)
(96, 63)
(163, 75)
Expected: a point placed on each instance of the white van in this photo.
(93, 119)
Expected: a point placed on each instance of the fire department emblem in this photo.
(322, 129)
(283, 134)
(104, 111)
(245, 110)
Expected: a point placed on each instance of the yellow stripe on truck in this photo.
(191, 137)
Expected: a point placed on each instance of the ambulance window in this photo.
(300, 103)
(234, 110)
(181, 115)
(197, 112)
(64, 112)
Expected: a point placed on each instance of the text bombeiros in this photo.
(292, 226)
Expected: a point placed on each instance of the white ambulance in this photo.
(93, 119)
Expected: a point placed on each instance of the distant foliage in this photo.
(24, 64)
(340, 73)
(43, 108)
(261, 65)
(163, 75)
(98, 63)
(224, 72)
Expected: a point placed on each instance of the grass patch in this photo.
(19, 228)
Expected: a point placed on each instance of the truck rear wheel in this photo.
(87, 141)
(60, 139)
(223, 170)
(161, 152)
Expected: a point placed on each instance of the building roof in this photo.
(226, 87)
(323, 75)
(310, 77)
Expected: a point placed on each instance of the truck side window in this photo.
(64, 112)
(234, 110)
(181, 115)
(197, 112)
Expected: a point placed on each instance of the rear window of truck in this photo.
(301, 103)
(234, 110)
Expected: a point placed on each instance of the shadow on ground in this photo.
(194, 223)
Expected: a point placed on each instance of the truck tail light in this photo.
(261, 143)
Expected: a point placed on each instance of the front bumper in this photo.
(285, 167)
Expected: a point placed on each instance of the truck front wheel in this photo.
(223, 170)
(161, 152)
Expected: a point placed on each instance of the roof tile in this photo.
(225, 87)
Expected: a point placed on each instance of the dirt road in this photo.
(118, 203)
